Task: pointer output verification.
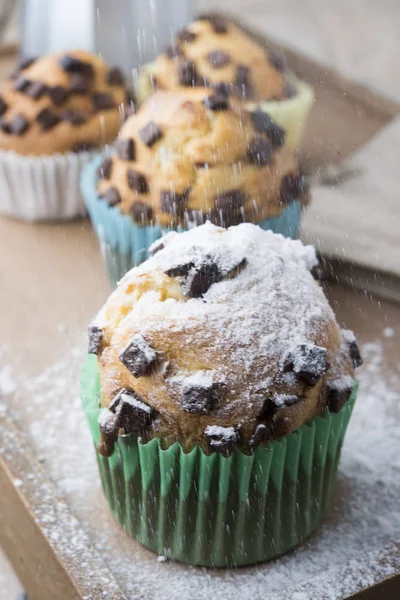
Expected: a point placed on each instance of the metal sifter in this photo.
(125, 32)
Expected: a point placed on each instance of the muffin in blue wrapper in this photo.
(183, 159)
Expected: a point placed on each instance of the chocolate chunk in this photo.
(21, 84)
(141, 212)
(243, 82)
(222, 88)
(26, 62)
(47, 119)
(150, 134)
(58, 94)
(186, 36)
(202, 278)
(73, 116)
(138, 356)
(268, 409)
(218, 59)
(3, 106)
(260, 435)
(263, 123)
(4, 126)
(95, 334)
(355, 354)
(112, 196)
(187, 73)
(36, 89)
(109, 432)
(221, 439)
(292, 187)
(156, 247)
(173, 51)
(216, 102)
(217, 23)
(125, 148)
(338, 393)
(260, 151)
(132, 414)
(115, 76)
(74, 65)
(230, 201)
(198, 396)
(277, 401)
(308, 362)
(180, 270)
(18, 125)
(83, 147)
(289, 89)
(103, 101)
(104, 171)
(137, 182)
(173, 203)
(278, 61)
(79, 83)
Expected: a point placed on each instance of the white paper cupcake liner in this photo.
(42, 188)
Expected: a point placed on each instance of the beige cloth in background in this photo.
(359, 219)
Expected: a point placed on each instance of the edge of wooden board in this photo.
(48, 565)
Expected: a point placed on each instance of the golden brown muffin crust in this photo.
(191, 155)
(225, 329)
(212, 51)
(61, 102)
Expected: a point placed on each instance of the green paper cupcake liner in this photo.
(219, 511)
(124, 244)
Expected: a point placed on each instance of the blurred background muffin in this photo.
(213, 52)
(55, 111)
(185, 157)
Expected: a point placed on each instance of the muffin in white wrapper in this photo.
(37, 188)
(56, 112)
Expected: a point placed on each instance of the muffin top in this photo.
(223, 339)
(213, 52)
(60, 103)
(194, 155)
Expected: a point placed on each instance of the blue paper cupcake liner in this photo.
(124, 244)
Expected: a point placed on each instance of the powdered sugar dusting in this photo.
(265, 304)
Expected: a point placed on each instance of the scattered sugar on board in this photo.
(365, 507)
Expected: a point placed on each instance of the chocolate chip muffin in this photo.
(53, 111)
(192, 155)
(222, 340)
(213, 52)
(61, 103)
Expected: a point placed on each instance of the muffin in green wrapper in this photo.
(186, 157)
(218, 394)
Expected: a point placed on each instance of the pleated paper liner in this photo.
(219, 511)
(124, 244)
(42, 188)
